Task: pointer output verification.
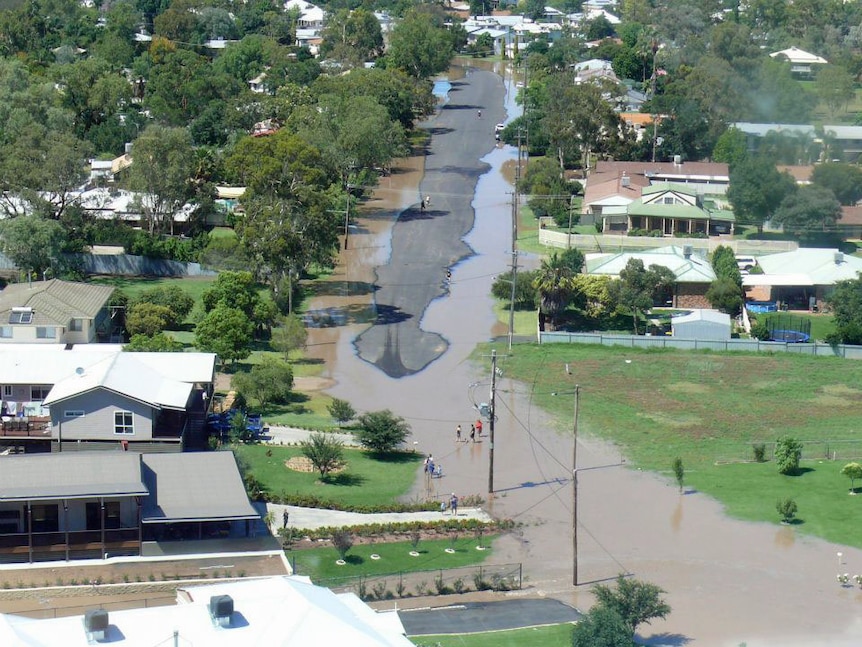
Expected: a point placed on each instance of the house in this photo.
(97, 396)
(702, 324)
(56, 311)
(835, 142)
(675, 209)
(258, 85)
(693, 273)
(801, 279)
(614, 185)
(595, 70)
(310, 15)
(286, 611)
(801, 62)
(119, 204)
(92, 504)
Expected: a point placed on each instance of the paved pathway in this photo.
(312, 518)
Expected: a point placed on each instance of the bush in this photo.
(341, 411)
(760, 331)
(382, 431)
(343, 542)
(788, 452)
(759, 453)
(268, 382)
(787, 508)
(525, 293)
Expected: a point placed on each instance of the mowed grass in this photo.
(708, 409)
(134, 285)
(821, 324)
(366, 480)
(320, 563)
(550, 636)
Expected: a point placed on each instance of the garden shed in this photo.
(706, 325)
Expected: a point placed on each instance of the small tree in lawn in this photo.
(787, 508)
(326, 454)
(341, 411)
(343, 542)
(636, 602)
(601, 627)
(853, 471)
(678, 472)
(788, 452)
(382, 431)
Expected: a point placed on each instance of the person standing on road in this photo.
(472, 433)
(458, 434)
(479, 427)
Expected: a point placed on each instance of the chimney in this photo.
(687, 251)
(839, 258)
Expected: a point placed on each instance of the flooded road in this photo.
(396, 334)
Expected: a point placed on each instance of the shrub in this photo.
(788, 452)
(759, 452)
(325, 453)
(343, 542)
(382, 431)
(787, 508)
(341, 411)
(378, 590)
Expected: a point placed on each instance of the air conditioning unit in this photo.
(221, 609)
(96, 624)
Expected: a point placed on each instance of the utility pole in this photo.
(512, 300)
(491, 422)
(575, 490)
(347, 218)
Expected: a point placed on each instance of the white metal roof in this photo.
(691, 269)
(796, 55)
(276, 612)
(805, 266)
(712, 316)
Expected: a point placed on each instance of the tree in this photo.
(343, 542)
(853, 471)
(270, 381)
(835, 87)
(845, 301)
(162, 171)
(788, 452)
(158, 343)
(787, 508)
(634, 601)
(757, 189)
(232, 290)
(844, 180)
(341, 411)
(148, 319)
(173, 297)
(525, 293)
(382, 431)
(731, 147)
(352, 36)
(636, 289)
(289, 335)
(553, 285)
(601, 627)
(420, 45)
(225, 331)
(813, 209)
(325, 453)
(31, 242)
(726, 295)
(678, 472)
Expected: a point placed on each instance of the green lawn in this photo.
(550, 636)
(708, 408)
(526, 322)
(528, 232)
(134, 285)
(320, 563)
(365, 481)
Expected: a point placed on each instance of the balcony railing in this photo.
(78, 540)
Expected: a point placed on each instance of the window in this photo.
(39, 392)
(46, 332)
(76, 325)
(111, 516)
(7, 390)
(6, 332)
(124, 422)
(46, 518)
(669, 199)
(75, 413)
(21, 316)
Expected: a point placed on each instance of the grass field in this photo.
(708, 409)
(134, 285)
(365, 480)
(821, 324)
(525, 320)
(320, 563)
(551, 636)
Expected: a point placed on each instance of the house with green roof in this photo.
(676, 209)
(693, 273)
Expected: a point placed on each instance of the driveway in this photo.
(474, 617)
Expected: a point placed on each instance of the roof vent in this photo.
(839, 258)
(96, 624)
(221, 609)
(128, 148)
(687, 251)
(677, 160)
(625, 180)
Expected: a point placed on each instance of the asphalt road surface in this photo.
(475, 617)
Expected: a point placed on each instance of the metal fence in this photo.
(831, 450)
(130, 265)
(677, 343)
(440, 581)
(43, 612)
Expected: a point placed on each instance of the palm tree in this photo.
(554, 284)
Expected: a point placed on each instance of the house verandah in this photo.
(100, 504)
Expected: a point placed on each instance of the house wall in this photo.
(691, 295)
(27, 335)
(77, 513)
(707, 330)
(97, 423)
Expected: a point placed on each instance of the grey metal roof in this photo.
(204, 486)
(70, 475)
(55, 301)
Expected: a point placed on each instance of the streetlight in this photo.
(576, 393)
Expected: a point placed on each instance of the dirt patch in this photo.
(303, 464)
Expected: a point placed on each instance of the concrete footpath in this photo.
(313, 518)
(292, 436)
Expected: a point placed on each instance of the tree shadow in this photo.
(395, 457)
(339, 288)
(440, 131)
(796, 521)
(344, 479)
(800, 471)
(307, 361)
(387, 314)
(461, 106)
(354, 560)
(666, 639)
(410, 215)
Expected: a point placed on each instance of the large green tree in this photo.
(352, 37)
(634, 601)
(845, 301)
(553, 284)
(844, 180)
(32, 243)
(225, 331)
(811, 211)
(268, 382)
(382, 431)
(637, 288)
(756, 190)
(420, 45)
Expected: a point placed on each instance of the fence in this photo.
(610, 243)
(130, 265)
(832, 450)
(439, 581)
(677, 343)
(42, 613)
